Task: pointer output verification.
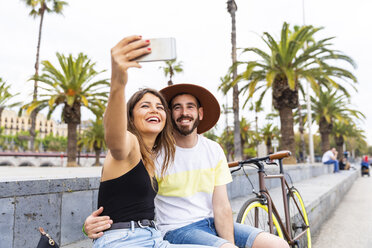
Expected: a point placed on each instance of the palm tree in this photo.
(269, 132)
(171, 67)
(73, 88)
(38, 8)
(357, 144)
(94, 138)
(232, 8)
(226, 140)
(5, 97)
(247, 135)
(328, 107)
(282, 70)
(342, 131)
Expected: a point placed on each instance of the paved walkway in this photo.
(351, 223)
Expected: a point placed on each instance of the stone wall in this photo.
(57, 205)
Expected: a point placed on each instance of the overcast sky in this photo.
(202, 31)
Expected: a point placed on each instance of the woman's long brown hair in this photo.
(164, 141)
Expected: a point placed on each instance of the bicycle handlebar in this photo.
(233, 164)
(278, 155)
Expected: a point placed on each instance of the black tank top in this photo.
(128, 197)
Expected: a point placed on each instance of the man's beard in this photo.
(183, 130)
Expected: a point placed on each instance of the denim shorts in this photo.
(204, 233)
(136, 237)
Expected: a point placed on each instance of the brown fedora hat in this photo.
(211, 107)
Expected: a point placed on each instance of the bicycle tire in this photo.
(299, 221)
(247, 216)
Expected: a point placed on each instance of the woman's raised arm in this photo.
(119, 141)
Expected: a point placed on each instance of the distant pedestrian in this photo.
(365, 166)
(346, 154)
(330, 157)
(344, 164)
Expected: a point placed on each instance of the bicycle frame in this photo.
(264, 193)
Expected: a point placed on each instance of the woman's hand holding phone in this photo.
(133, 49)
(123, 56)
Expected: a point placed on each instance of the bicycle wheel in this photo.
(299, 220)
(254, 208)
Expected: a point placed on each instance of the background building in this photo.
(13, 124)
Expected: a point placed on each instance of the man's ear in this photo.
(201, 113)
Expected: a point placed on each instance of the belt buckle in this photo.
(140, 224)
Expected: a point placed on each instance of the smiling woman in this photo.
(135, 134)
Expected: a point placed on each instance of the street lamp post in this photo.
(309, 118)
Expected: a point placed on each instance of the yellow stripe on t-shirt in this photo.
(223, 175)
(188, 183)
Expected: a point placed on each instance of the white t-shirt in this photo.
(185, 193)
(328, 155)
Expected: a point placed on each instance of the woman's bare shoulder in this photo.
(114, 168)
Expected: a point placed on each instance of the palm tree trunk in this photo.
(35, 111)
(72, 116)
(325, 129)
(170, 82)
(33, 127)
(340, 146)
(71, 144)
(1, 113)
(325, 141)
(286, 129)
(98, 153)
(268, 145)
(232, 8)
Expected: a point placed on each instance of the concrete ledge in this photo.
(322, 206)
(38, 187)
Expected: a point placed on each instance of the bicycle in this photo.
(261, 211)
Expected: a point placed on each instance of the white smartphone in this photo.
(162, 49)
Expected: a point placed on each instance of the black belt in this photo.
(132, 224)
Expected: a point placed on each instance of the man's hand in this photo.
(94, 225)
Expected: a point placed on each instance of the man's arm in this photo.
(94, 224)
(223, 219)
(334, 155)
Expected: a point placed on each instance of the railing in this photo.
(46, 154)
